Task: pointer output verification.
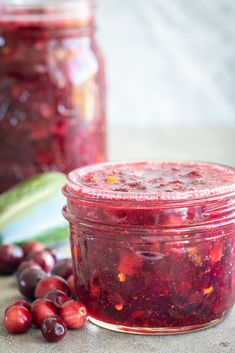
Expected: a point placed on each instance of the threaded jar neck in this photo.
(32, 17)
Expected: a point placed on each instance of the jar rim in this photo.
(76, 188)
(43, 3)
(44, 10)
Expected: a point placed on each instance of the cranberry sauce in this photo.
(153, 244)
(52, 91)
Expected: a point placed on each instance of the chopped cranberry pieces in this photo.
(52, 114)
(159, 257)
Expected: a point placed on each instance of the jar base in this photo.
(155, 330)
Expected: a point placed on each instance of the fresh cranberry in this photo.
(24, 303)
(54, 252)
(28, 279)
(41, 309)
(18, 319)
(53, 328)
(63, 268)
(57, 297)
(20, 302)
(43, 258)
(32, 246)
(10, 258)
(71, 283)
(27, 264)
(74, 314)
(50, 283)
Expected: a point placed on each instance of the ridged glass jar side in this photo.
(163, 266)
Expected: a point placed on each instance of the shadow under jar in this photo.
(52, 88)
(153, 244)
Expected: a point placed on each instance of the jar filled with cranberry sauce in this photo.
(52, 88)
(153, 244)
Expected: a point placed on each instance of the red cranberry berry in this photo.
(50, 283)
(43, 258)
(41, 309)
(10, 258)
(32, 246)
(27, 264)
(24, 303)
(63, 268)
(53, 328)
(57, 297)
(74, 314)
(18, 319)
(28, 280)
(71, 283)
(20, 302)
(54, 252)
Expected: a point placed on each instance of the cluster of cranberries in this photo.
(47, 282)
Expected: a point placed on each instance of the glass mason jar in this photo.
(52, 88)
(153, 244)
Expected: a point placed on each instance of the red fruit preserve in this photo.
(153, 244)
(52, 88)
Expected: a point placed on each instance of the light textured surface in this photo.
(213, 144)
(169, 62)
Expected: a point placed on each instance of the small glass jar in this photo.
(153, 244)
(52, 88)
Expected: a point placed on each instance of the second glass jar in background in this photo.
(52, 89)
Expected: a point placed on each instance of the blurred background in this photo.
(171, 78)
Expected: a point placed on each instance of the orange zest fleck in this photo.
(197, 259)
(192, 250)
(76, 251)
(111, 179)
(208, 290)
(129, 263)
(216, 254)
(122, 277)
(119, 306)
(195, 256)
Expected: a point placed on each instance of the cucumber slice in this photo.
(33, 210)
(27, 194)
(50, 236)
